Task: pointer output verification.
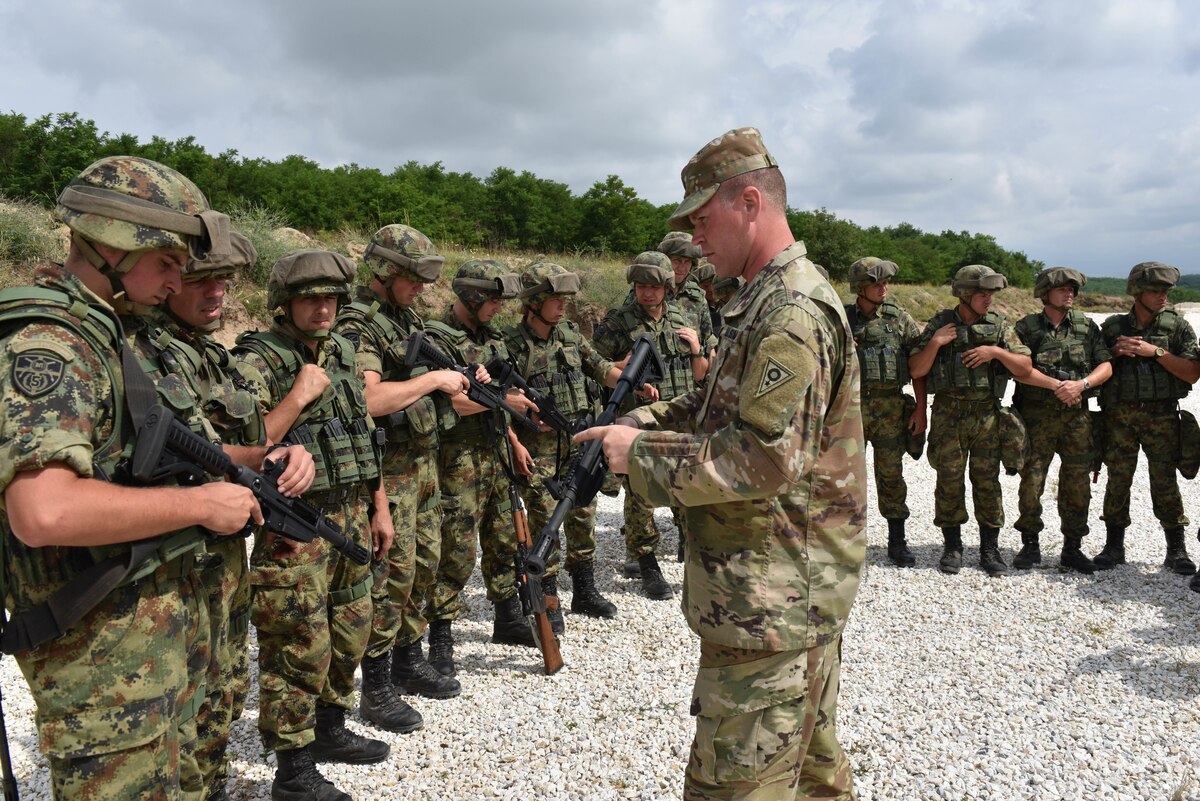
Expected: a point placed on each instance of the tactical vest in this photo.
(949, 374)
(553, 367)
(456, 344)
(675, 352)
(880, 348)
(336, 429)
(1065, 358)
(421, 422)
(1136, 379)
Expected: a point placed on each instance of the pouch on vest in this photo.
(303, 435)
(339, 453)
(1189, 445)
(1012, 440)
(914, 444)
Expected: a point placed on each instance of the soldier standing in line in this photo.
(884, 335)
(312, 605)
(110, 727)
(1070, 359)
(473, 481)
(767, 462)
(413, 405)
(1155, 362)
(966, 354)
(687, 293)
(687, 363)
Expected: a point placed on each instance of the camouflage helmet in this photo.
(1151, 276)
(724, 288)
(871, 270)
(976, 278)
(678, 244)
(544, 279)
(242, 254)
(136, 205)
(705, 272)
(404, 251)
(1054, 277)
(309, 272)
(651, 267)
(481, 280)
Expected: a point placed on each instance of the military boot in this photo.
(897, 550)
(412, 675)
(989, 552)
(1030, 553)
(510, 627)
(441, 647)
(630, 568)
(1177, 557)
(379, 704)
(1113, 553)
(586, 599)
(653, 583)
(1073, 557)
(336, 743)
(1194, 584)
(951, 561)
(219, 792)
(297, 779)
(553, 609)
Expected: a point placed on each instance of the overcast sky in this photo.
(1068, 130)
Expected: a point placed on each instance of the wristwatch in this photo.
(1158, 353)
(1086, 385)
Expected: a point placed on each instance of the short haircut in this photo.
(768, 181)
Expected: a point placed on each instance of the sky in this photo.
(1068, 130)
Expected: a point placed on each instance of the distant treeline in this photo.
(1188, 290)
(504, 210)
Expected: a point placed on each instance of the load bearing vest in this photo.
(949, 374)
(561, 376)
(1136, 379)
(881, 355)
(1065, 358)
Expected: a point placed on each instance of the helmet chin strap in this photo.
(207, 328)
(121, 303)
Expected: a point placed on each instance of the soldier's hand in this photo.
(648, 391)
(945, 335)
(311, 381)
(616, 440)
(522, 460)
(516, 398)
(690, 336)
(1132, 346)
(451, 382)
(299, 473)
(482, 375)
(917, 421)
(224, 508)
(977, 357)
(382, 530)
(1069, 392)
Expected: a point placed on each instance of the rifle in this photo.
(9, 781)
(587, 469)
(421, 352)
(548, 411)
(165, 446)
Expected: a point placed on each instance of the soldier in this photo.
(473, 481)
(687, 293)
(687, 363)
(1070, 360)
(548, 351)
(768, 465)
(1154, 366)
(312, 606)
(967, 353)
(111, 676)
(884, 335)
(413, 404)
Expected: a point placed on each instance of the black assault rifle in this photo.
(167, 447)
(586, 472)
(548, 411)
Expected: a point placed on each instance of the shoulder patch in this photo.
(773, 375)
(37, 371)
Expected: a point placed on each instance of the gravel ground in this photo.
(1040, 685)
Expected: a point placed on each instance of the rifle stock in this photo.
(533, 601)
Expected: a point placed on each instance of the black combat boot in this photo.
(1073, 557)
(510, 626)
(586, 599)
(553, 609)
(441, 647)
(951, 561)
(653, 583)
(336, 743)
(897, 550)
(379, 704)
(1030, 553)
(1177, 557)
(1113, 553)
(297, 779)
(219, 792)
(630, 567)
(989, 552)
(412, 675)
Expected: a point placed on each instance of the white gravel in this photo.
(1040, 685)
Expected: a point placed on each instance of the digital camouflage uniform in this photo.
(770, 472)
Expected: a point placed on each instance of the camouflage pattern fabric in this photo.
(1154, 428)
(1068, 433)
(960, 430)
(579, 528)
(692, 303)
(768, 466)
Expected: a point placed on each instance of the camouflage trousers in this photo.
(960, 430)
(766, 725)
(1052, 429)
(474, 504)
(883, 427)
(227, 582)
(312, 611)
(403, 581)
(641, 536)
(1153, 427)
(114, 694)
(580, 524)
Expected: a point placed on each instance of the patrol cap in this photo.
(678, 244)
(1152, 276)
(871, 270)
(403, 250)
(478, 280)
(976, 278)
(242, 254)
(1054, 277)
(738, 151)
(547, 278)
(309, 272)
(652, 268)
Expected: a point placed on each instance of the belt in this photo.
(332, 500)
